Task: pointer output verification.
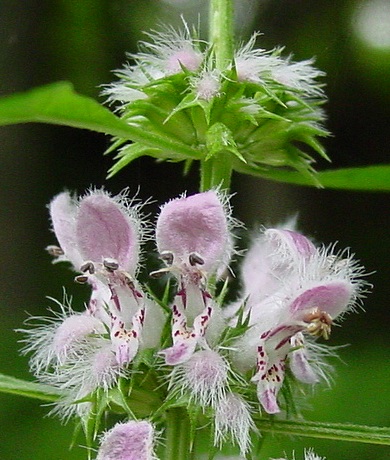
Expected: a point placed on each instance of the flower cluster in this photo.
(143, 355)
(258, 112)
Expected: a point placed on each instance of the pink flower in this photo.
(101, 236)
(128, 441)
(193, 238)
(292, 289)
(80, 352)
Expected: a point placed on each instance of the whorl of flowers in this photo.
(258, 112)
(143, 355)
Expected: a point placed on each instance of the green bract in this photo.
(260, 113)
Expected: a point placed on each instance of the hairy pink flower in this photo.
(193, 238)
(291, 288)
(128, 441)
(100, 236)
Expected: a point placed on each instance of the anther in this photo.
(167, 257)
(54, 251)
(110, 264)
(320, 323)
(82, 279)
(88, 267)
(195, 259)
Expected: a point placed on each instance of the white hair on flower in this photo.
(255, 65)
(170, 50)
(203, 377)
(207, 84)
(233, 420)
(300, 76)
(292, 288)
(52, 339)
(94, 367)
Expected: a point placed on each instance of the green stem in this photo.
(216, 172)
(178, 445)
(221, 31)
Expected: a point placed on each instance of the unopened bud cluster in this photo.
(262, 111)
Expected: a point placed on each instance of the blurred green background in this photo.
(82, 41)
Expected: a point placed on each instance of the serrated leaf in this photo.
(28, 389)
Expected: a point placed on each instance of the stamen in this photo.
(54, 251)
(82, 279)
(110, 264)
(88, 266)
(320, 323)
(195, 259)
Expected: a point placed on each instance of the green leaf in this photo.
(58, 103)
(33, 390)
(187, 102)
(335, 431)
(220, 139)
(367, 178)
